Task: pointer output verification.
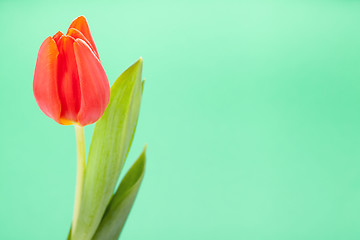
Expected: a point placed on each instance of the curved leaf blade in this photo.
(111, 140)
(122, 202)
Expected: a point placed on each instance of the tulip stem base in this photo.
(80, 143)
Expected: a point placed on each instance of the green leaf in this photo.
(121, 203)
(69, 235)
(108, 150)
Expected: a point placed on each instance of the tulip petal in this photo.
(68, 81)
(77, 34)
(57, 36)
(45, 85)
(94, 84)
(81, 24)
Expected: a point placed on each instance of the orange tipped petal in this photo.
(81, 24)
(77, 34)
(57, 36)
(95, 89)
(68, 81)
(45, 85)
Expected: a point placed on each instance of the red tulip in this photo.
(70, 84)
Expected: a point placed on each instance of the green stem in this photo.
(80, 143)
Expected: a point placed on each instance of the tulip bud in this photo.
(70, 84)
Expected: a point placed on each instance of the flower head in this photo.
(70, 84)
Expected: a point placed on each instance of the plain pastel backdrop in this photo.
(251, 114)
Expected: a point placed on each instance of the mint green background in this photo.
(251, 113)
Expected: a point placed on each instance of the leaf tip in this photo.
(139, 61)
(138, 65)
